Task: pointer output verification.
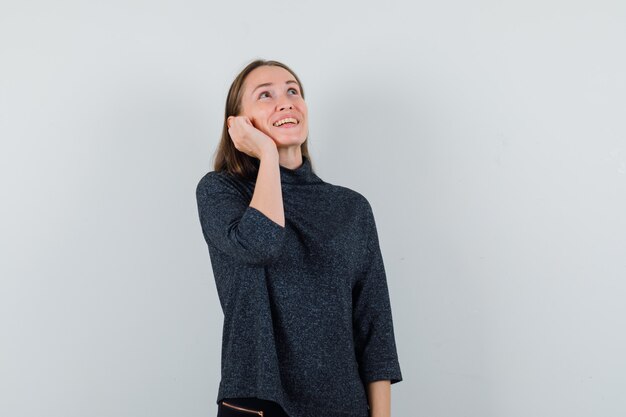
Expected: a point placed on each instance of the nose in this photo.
(284, 103)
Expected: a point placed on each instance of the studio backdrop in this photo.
(489, 138)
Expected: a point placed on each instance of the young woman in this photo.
(308, 329)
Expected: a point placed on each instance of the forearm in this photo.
(379, 396)
(267, 196)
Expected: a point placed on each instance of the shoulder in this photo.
(209, 180)
(218, 181)
(353, 198)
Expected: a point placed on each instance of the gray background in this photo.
(489, 137)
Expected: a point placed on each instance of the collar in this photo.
(301, 175)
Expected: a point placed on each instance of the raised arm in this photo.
(246, 230)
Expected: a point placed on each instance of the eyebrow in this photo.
(268, 84)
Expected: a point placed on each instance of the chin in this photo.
(286, 140)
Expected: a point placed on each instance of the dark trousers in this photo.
(249, 406)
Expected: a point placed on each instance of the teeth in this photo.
(287, 120)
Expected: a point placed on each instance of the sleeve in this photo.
(374, 339)
(234, 227)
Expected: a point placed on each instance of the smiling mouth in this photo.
(287, 122)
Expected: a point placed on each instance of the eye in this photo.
(267, 92)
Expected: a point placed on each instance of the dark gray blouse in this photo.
(307, 315)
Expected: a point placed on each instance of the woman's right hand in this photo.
(247, 138)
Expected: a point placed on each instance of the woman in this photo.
(307, 328)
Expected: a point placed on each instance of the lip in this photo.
(284, 116)
(287, 126)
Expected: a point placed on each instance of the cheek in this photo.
(304, 110)
(253, 112)
(263, 115)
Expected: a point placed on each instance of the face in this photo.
(279, 97)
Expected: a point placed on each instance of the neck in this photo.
(297, 173)
(290, 157)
